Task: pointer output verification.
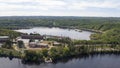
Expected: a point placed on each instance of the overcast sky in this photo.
(104, 8)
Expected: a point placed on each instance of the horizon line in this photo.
(54, 16)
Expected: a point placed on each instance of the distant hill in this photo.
(98, 23)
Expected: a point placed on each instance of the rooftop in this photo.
(4, 36)
(31, 37)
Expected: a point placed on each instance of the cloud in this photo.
(30, 4)
(60, 7)
(95, 4)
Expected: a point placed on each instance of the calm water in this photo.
(98, 61)
(84, 35)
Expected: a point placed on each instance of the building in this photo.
(32, 37)
(32, 44)
(26, 38)
(25, 41)
(38, 45)
(4, 39)
(56, 37)
(42, 45)
(32, 41)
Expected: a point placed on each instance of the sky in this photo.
(92, 8)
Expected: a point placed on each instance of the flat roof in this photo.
(31, 37)
(4, 36)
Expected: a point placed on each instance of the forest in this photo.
(97, 23)
(109, 26)
(105, 41)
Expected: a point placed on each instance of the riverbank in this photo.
(63, 52)
(86, 61)
(65, 27)
(59, 53)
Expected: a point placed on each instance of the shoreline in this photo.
(100, 50)
(64, 58)
(84, 29)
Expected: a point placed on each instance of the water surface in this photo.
(84, 35)
(97, 61)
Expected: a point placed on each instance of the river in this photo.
(73, 34)
(96, 61)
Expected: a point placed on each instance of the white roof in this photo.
(4, 36)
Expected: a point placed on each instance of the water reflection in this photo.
(69, 59)
(83, 61)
